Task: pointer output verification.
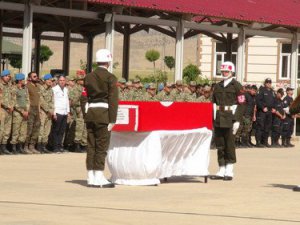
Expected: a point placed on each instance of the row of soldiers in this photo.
(28, 109)
(136, 91)
(267, 113)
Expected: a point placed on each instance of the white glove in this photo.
(215, 110)
(110, 126)
(235, 127)
(234, 107)
(286, 110)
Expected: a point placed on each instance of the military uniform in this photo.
(102, 95)
(264, 99)
(19, 126)
(7, 105)
(277, 121)
(229, 107)
(46, 113)
(34, 122)
(288, 123)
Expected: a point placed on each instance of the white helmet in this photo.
(228, 66)
(103, 55)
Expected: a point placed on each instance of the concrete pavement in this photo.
(50, 189)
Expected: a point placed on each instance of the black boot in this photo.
(39, 147)
(77, 147)
(284, 142)
(244, 143)
(259, 144)
(288, 143)
(20, 149)
(4, 150)
(275, 143)
(14, 149)
(44, 149)
(266, 143)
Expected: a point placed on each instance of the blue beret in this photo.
(20, 76)
(160, 87)
(5, 73)
(47, 76)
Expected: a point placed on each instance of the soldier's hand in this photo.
(10, 110)
(265, 109)
(254, 118)
(273, 111)
(54, 117)
(25, 115)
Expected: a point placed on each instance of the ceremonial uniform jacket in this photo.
(228, 96)
(101, 87)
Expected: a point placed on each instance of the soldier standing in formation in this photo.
(34, 122)
(46, 112)
(288, 122)
(278, 117)
(7, 107)
(20, 115)
(228, 102)
(101, 115)
(265, 102)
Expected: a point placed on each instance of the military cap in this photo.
(71, 77)
(289, 89)
(207, 88)
(268, 80)
(193, 83)
(136, 80)
(146, 86)
(5, 73)
(160, 87)
(19, 76)
(169, 84)
(47, 76)
(152, 86)
(280, 91)
(122, 81)
(178, 82)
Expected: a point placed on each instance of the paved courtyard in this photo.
(50, 189)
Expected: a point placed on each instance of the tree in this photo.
(191, 73)
(15, 61)
(152, 55)
(170, 62)
(45, 54)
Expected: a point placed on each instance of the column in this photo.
(126, 52)
(109, 36)
(66, 50)
(240, 64)
(37, 53)
(27, 39)
(179, 50)
(1, 38)
(294, 62)
(89, 61)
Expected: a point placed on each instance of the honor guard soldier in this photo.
(288, 122)
(228, 100)
(265, 102)
(100, 117)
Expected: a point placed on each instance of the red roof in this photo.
(286, 13)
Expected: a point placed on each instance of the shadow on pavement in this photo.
(284, 186)
(79, 182)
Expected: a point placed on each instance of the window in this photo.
(285, 62)
(220, 56)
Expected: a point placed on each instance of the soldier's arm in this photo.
(113, 98)
(241, 103)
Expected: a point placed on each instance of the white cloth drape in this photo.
(143, 158)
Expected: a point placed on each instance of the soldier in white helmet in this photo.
(228, 100)
(100, 117)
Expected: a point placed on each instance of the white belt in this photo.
(95, 105)
(225, 107)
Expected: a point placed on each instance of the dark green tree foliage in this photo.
(191, 73)
(15, 61)
(170, 62)
(45, 54)
(152, 55)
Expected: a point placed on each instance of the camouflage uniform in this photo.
(8, 101)
(46, 113)
(164, 96)
(19, 127)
